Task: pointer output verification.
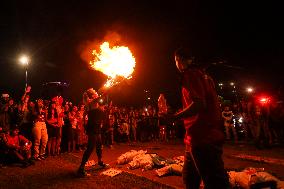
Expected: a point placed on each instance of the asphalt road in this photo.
(58, 172)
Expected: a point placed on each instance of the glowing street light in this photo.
(24, 60)
(249, 90)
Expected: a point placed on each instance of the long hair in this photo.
(49, 112)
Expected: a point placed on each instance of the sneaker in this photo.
(42, 157)
(36, 158)
(82, 173)
(102, 164)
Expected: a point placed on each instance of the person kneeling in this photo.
(19, 148)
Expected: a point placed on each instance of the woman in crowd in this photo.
(60, 112)
(25, 116)
(73, 118)
(39, 131)
(65, 128)
(81, 136)
(132, 123)
(162, 111)
(52, 128)
(110, 131)
(124, 125)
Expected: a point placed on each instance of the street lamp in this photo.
(249, 90)
(24, 60)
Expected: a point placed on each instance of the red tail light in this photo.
(264, 100)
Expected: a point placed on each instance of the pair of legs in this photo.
(109, 139)
(72, 146)
(51, 146)
(58, 140)
(263, 134)
(249, 130)
(54, 140)
(94, 141)
(40, 138)
(229, 128)
(163, 133)
(22, 156)
(204, 162)
(133, 131)
(72, 140)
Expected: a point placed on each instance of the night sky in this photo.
(249, 37)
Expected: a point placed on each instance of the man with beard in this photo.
(93, 129)
(203, 124)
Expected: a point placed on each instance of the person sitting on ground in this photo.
(19, 148)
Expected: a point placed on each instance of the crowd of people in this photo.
(33, 130)
(259, 120)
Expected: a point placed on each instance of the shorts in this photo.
(72, 134)
(53, 132)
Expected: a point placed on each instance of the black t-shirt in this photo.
(95, 119)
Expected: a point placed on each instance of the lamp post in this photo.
(24, 60)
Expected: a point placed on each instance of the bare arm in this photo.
(191, 110)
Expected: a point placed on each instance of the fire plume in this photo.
(116, 62)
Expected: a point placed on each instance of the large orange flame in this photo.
(116, 62)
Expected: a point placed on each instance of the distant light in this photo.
(232, 83)
(220, 84)
(249, 89)
(24, 60)
(264, 100)
(101, 100)
(149, 98)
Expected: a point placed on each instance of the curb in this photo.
(261, 159)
